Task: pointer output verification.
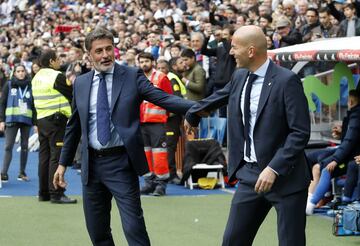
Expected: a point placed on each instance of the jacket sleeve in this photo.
(298, 132)
(214, 101)
(206, 51)
(3, 101)
(72, 136)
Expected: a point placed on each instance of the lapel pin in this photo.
(269, 84)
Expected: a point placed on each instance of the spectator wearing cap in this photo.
(284, 35)
(350, 26)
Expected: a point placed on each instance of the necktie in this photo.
(251, 79)
(102, 112)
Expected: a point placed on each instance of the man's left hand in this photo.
(265, 181)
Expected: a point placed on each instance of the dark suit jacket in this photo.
(130, 87)
(281, 131)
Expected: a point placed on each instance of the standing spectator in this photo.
(153, 119)
(312, 22)
(290, 11)
(194, 76)
(326, 28)
(350, 26)
(197, 41)
(174, 120)
(153, 44)
(17, 112)
(52, 97)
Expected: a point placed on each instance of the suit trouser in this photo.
(113, 176)
(249, 209)
(51, 134)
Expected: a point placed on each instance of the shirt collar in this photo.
(261, 71)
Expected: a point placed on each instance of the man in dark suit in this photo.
(269, 128)
(106, 106)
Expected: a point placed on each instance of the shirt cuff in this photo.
(277, 174)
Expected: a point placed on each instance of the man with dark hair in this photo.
(194, 76)
(153, 119)
(174, 120)
(52, 98)
(350, 26)
(106, 112)
(312, 21)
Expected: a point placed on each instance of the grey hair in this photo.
(98, 33)
(199, 34)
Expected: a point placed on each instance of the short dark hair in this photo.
(325, 10)
(146, 55)
(313, 10)
(188, 53)
(45, 58)
(354, 93)
(163, 61)
(98, 33)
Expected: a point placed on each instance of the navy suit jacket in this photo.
(130, 87)
(281, 131)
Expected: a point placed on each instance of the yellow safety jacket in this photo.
(47, 100)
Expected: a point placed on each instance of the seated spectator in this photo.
(332, 162)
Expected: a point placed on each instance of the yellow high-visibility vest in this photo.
(171, 76)
(47, 100)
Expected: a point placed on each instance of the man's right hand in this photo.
(189, 129)
(59, 180)
(357, 159)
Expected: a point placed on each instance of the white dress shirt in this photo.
(115, 139)
(254, 102)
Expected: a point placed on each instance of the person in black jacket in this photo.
(17, 112)
(225, 63)
(332, 163)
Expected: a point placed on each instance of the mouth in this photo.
(106, 63)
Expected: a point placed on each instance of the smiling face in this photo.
(102, 54)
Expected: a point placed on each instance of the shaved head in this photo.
(249, 47)
(252, 35)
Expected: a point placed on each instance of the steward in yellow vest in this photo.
(52, 98)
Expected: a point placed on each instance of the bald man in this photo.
(269, 128)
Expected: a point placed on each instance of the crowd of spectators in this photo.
(161, 27)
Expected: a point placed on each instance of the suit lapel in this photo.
(266, 88)
(239, 92)
(118, 82)
(84, 93)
